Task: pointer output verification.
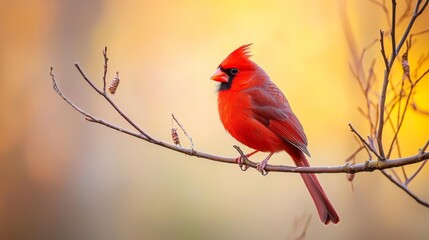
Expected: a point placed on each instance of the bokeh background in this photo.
(62, 177)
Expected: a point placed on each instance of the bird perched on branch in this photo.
(256, 113)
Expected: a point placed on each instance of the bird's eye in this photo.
(233, 71)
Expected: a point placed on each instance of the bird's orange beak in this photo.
(219, 76)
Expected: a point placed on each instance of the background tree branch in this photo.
(389, 106)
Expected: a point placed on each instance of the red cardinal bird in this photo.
(256, 113)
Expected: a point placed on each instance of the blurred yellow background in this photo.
(62, 177)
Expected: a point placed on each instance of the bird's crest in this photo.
(240, 56)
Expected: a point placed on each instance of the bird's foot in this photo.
(261, 165)
(240, 162)
(241, 159)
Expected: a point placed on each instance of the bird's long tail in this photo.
(325, 209)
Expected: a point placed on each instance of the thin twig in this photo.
(104, 94)
(407, 13)
(420, 33)
(405, 189)
(383, 7)
(393, 31)
(183, 130)
(383, 50)
(368, 146)
(421, 152)
(423, 149)
(422, 76)
(353, 155)
(87, 80)
(418, 109)
(415, 173)
(106, 59)
(401, 114)
(59, 92)
(400, 123)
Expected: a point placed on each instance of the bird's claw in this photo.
(261, 167)
(243, 167)
(240, 162)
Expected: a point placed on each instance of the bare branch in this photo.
(104, 94)
(368, 146)
(407, 12)
(106, 59)
(418, 109)
(393, 31)
(422, 76)
(401, 93)
(383, 51)
(387, 71)
(368, 166)
(383, 7)
(353, 155)
(401, 121)
(87, 80)
(423, 149)
(415, 173)
(183, 130)
(405, 189)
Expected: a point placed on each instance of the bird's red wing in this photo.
(291, 131)
(271, 108)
